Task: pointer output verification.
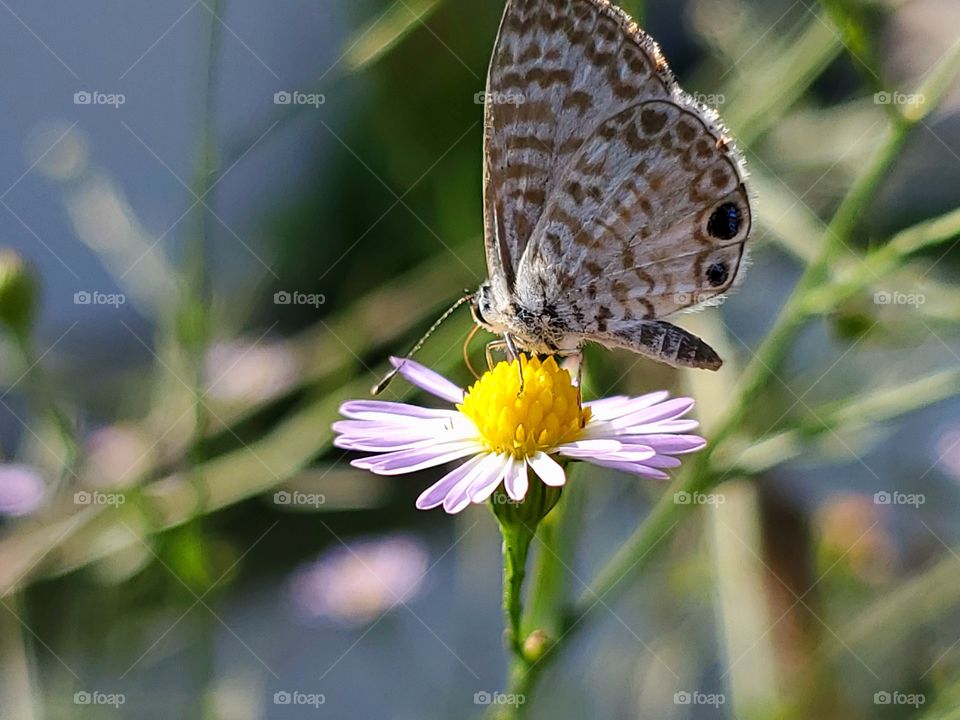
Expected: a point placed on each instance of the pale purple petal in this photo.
(400, 423)
(426, 379)
(459, 497)
(407, 461)
(516, 482)
(661, 428)
(380, 409)
(399, 441)
(668, 444)
(620, 405)
(483, 487)
(669, 410)
(663, 461)
(434, 495)
(633, 469)
(591, 445)
(547, 469)
(22, 490)
(577, 454)
(629, 453)
(606, 407)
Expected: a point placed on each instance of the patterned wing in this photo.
(649, 216)
(559, 69)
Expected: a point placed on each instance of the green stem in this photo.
(194, 312)
(549, 593)
(42, 390)
(203, 185)
(518, 525)
(516, 547)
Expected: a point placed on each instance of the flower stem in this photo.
(518, 526)
(41, 389)
(516, 547)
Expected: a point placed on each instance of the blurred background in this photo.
(231, 212)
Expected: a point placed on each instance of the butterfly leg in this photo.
(512, 354)
(573, 361)
(663, 342)
(515, 353)
(488, 351)
(508, 341)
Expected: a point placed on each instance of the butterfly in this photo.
(612, 199)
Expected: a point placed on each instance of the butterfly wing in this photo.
(612, 198)
(559, 69)
(649, 216)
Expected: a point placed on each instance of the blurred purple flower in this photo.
(243, 371)
(947, 452)
(22, 490)
(355, 583)
(117, 456)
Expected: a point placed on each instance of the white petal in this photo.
(516, 482)
(548, 469)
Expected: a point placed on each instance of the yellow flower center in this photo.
(546, 414)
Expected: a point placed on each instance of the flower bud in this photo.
(18, 292)
(537, 644)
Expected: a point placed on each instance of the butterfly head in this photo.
(483, 309)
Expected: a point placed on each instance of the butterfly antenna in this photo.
(382, 385)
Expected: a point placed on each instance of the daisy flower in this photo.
(499, 434)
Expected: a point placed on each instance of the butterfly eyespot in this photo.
(724, 222)
(717, 274)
